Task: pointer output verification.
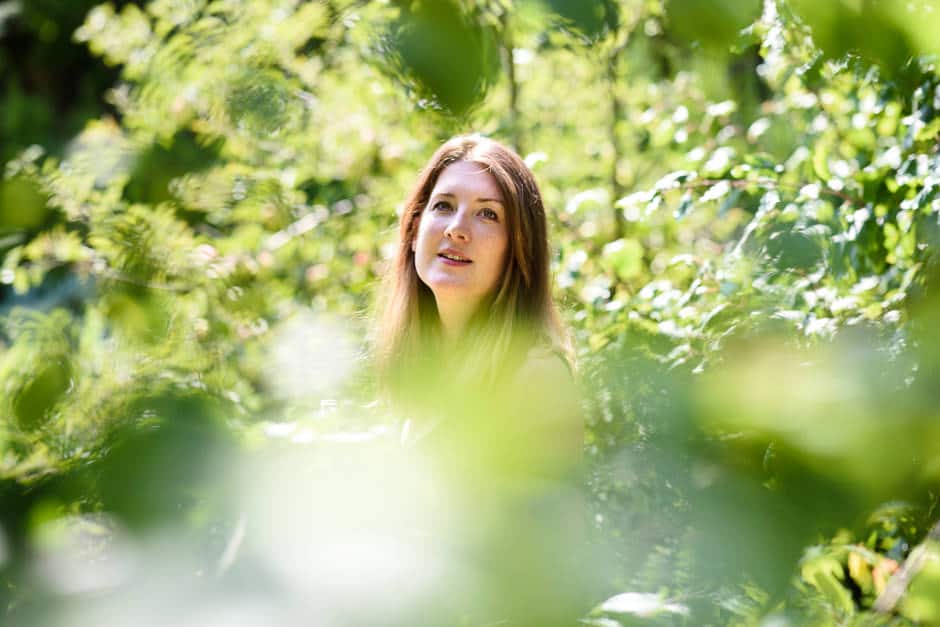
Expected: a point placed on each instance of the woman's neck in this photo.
(455, 319)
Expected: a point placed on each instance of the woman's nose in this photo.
(457, 228)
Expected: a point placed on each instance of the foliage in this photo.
(744, 206)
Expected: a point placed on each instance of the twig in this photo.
(233, 545)
(901, 580)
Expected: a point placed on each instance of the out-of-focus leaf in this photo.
(37, 368)
(714, 24)
(827, 575)
(795, 248)
(161, 461)
(922, 601)
(685, 205)
(158, 166)
(262, 102)
(452, 57)
(22, 204)
(31, 404)
(589, 17)
(625, 256)
(881, 31)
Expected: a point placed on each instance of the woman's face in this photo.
(462, 240)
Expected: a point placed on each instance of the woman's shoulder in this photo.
(547, 405)
(546, 378)
(546, 362)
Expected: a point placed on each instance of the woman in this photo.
(470, 347)
(468, 311)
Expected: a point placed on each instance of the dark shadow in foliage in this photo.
(33, 402)
(793, 464)
(740, 531)
(154, 169)
(327, 192)
(750, 88)
(738, 476)
(639, 418)
(18, 504)
(592, 19)
(165, 459)
(262, 101)
(161, 467)
(790, 247)
(49, 84)
(893, 528)
(60, 289)
(448, 55)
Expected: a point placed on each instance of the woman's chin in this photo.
(447, 282)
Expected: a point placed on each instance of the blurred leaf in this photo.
(22, 204)
(591, 18)
(625, 256)
(826, 573)
(159, 165)
(37, 369)
(794, 248)
(32, 403)
(714, 24)
(685, 204)
(922, 601)
(262, 102)
(880, 31)
(452, 57)
(161, 461)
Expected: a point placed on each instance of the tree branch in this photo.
(897, 586)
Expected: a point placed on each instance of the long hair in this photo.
(519, 315)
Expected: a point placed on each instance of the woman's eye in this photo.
(489, 214)
(441, 206)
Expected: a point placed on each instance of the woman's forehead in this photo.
(468, 177)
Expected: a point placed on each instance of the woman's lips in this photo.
(453, 258)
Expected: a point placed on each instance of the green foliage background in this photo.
(744, 208)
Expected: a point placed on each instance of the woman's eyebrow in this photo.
(449, 195)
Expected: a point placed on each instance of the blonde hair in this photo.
(520, 314)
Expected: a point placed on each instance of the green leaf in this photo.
(922, 601)
(625, 256)
(685, 205)
(22, 204)
(826, 574)
(730, 201)
(889, 34)
(821, 161)
(459, 78)
(591, 18)
(715, 24)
